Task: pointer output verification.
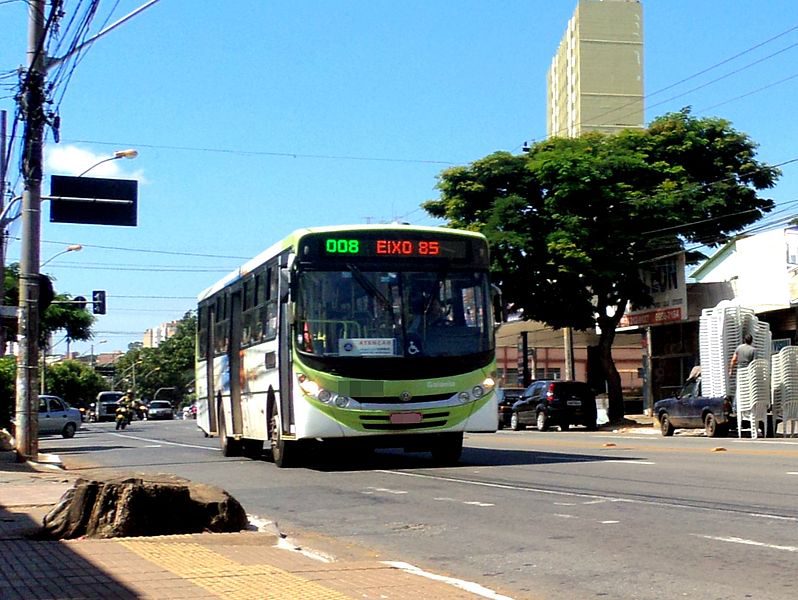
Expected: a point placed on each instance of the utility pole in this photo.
(28, 315)
(3, 172)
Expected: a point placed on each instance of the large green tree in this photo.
(572, 221)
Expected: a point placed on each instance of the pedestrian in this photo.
(743, 354)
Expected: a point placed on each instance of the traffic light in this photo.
(98, 302)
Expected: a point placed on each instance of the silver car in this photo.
(160, 409)
(56, 416)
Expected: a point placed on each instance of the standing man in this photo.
(743, 355)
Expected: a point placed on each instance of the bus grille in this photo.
(394, 399)
(383, 422)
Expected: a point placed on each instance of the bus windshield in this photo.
(368, 313)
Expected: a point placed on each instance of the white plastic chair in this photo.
(789, 414)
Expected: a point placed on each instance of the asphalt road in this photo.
(530, 514)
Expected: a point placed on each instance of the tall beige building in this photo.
(595, 82)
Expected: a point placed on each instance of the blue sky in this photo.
(253, 118)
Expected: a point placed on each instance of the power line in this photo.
(239, 152)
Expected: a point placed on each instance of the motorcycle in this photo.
(122, 418)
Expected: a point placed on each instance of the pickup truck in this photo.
(689, 409)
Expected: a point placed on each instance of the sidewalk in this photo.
(244, 565)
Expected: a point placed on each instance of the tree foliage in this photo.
(74, 320)
(572, 221)
(75, 382)
(170, 365)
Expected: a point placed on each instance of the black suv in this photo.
(549, 402)
(507, 397)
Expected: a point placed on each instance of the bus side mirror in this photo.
(285, 285)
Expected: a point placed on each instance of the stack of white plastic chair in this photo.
(753, 396)
(721, 330)
(784, 384)
(789, 416)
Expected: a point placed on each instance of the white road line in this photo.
(620, 461)
(736, 540)
(564, 516)
(468, 586)
(143, 439)
(792, 472)
(595, 497)
(608, 522)
(475, 503)
(387, 490)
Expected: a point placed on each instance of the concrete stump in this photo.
(142, 505)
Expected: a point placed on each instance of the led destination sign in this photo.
(394, 248)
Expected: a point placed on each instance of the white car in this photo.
(56, 416)
(160, 409)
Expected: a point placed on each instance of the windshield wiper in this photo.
(367, 285)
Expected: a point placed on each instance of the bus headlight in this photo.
(324, 396)
(477, 391)
(463, 397)
(341, 401)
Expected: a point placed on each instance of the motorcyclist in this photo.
(124, 412)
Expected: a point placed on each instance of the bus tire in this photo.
(230, 446)
(448, 449)
(282, 451)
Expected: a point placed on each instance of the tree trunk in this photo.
(614, 390)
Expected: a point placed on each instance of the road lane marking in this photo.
(519, 488)
(468, 586)
(620, 461)
(471, 502)
(736, 540)
(387, 490)
(143, 439)
(608, 522)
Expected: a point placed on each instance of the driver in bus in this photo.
(426, 311)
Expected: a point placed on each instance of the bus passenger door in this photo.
(284, 349)
(209, 325)
(234, 357)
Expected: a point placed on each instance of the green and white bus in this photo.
(380, 336)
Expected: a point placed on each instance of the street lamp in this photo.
(129, 153)
(72, 248)
(92, 352)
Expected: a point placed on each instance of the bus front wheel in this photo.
(282, 451)
(230, 446)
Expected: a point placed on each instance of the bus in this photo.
(365, 336)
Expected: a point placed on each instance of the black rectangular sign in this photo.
(93, 200)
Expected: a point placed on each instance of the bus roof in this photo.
(293, 238)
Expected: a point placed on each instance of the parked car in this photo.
(161, 409)
(689, 409)
(506, 398)
(548, 402)
(56, 416)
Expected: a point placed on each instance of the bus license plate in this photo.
(574, 403)
(405, 418)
